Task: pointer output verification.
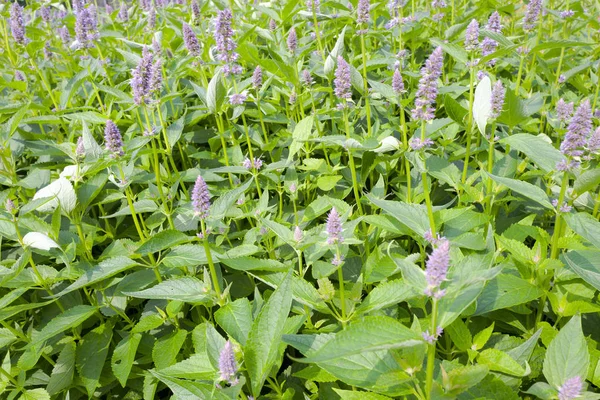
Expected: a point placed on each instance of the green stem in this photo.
(366, 83)
(469, 125)
(558, 218)
(211, 264)
(431, 352)
(341, 283)
(426, 188)
(518, 85)
(490, 166)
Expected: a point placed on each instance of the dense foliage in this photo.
(299, 200)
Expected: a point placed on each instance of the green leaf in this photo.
(162, 240)
(506, 291)
(538, 149)
(198, 366)
(497, 360)
(514, 111)
(236, 319)
(526, 189)
(262, 347)
(588, 180)
(385, 295)
(456, 302)
(251, 263)
(356, 395)
(35, 394)
(567, 355)
(585, 226)
(188, 289)
(91, 354)
(455, 110)
(460, 334)
(166, 348)
(124, 356)
(458, 53)
(464, 377)
(366, 335)
(147, 323)
(414, 216)
(482, 337)
(174, 131)
(105, 269)
(215, 94)
(586, 264)
(187, 390)
(482, 105)
(62, 373)
(69, 319)
(301, 134)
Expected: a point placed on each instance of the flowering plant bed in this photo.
(299, 200)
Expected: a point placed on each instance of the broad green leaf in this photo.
(586, 264)
(366, 335)
(497, 360)
(506, 291)
(263, 342)
(188, 390)
(482, 105)
(456, 302)
(301, 134)
(458, 53)
(148, 322)
(161, 241)
(166, 348)
(567, 355)
(526, 189)
(174, 131)
(356, 395)
(251, 263)
(460, 334)
(523, 352)
(414, 216)
(585, 226)
(215, 94)
(186, 255)
(386, 294)
(236, 319)
(538, 149)
(588, 180)
(188, 289)
(105, 269)
(455, 110)
(124, 355)
(222, 204)
(35, 394)
(69, 319)
(198, 366)
(62, 373)
(91, 354)
(464, 377)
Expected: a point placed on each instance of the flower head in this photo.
(307, 78)
(225, 44)
(438, 4)
(497, 100)
(113, 140)
(494, 24)
(257, 77)
(472, 35)
(397, 82)
(80, 149)
(362, 12)
(567, 14)
(578, 130)
(313, 5)
(227, 364)
(196, 13)
(45, 13)
(200, 198)
(17, 26)
(191, 40)
(488, 46)
(298, 234)
(124, 12)
(292, 40)
(64, 34)
(571, 389)
(532, 14)
(334, 228)
(437, 267)
(428, 90)
(140, 81)
(237, 99)
(593, 144)
(86, 27)
(417, 144)
(342, 80)
(564, 110)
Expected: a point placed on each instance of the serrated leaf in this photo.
(236, 319)
(166, 348)
(539, 150)
(66, 320)
(62, 193)
(585, 226)
(62, 373)
(386, 294)
(215, 94)
(526, 189)
(301, 134)
(586, 264)
(506, 291)
(198, 366)
(91, 355)
(414, 216)
(123, 357)
(497, 360)
(188, 289)
(161, 241)
(357, 395)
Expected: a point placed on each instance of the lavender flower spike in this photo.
(80, 149)
(200, 198)
(428, 90)
(334, 228)
(86, 27)
(17, 26)
(362, 12)
(397, 82)
(494, 24)
(307, 78)
(113, 140)
(298, 234)
(225, 44)
(472, 36)
(257, 78)
(564, 110)
(437, 268)
(292, 40)
(227, 364)
(342, 80)
(314, 5)
(578, 130)
(124, 12)
(571, 389)
(532, 14)
(497, 100)
(140, 81)
(593, 144)
(191, 40)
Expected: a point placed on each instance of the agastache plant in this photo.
(17, 25)
(428, 87)
(226, 46)
(200, 198)
(342, 80)
(113, 139)
(191, 40)
(578, 130)
(227, 365)
(292, 40)
(532, 14)
(472, 35)
(571, 389)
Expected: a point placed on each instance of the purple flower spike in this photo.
(113, 140)
(191, 40)
(472, 36)
(488, 46)
(578, 130)
(532, 14)
(86, 27)
(428, 90)
(342, 80)
(571, 389)
(564, 110)
(494, 24)
(307, 78)
(314, 5)
(292, 40)
(140, 81)
(257, 78)
(196, 14)
(17, 26)
(124, 12)
(237, 99)
(362, 12)
(397, 82)
(225, 44)
(45, 14)
(334, 228)
(80, 149)
(156, 77)
(298, 234)
(437, 267)
(227, 365)
(593, 144)
(200, 198)
(497, 101)
(64, 34)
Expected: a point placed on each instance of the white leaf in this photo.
(63, 194)
(39, 241)
(70, 172)
(91, 147)
(389, 143)
(482, 104)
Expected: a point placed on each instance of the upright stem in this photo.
(352, 166)
(426, 188)
(366, 84)
(490, 166)
(558, 218)
(406, 162)
(341, 282)
(518, 85)
(211, 265)
(469, 125)
(431, 351)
